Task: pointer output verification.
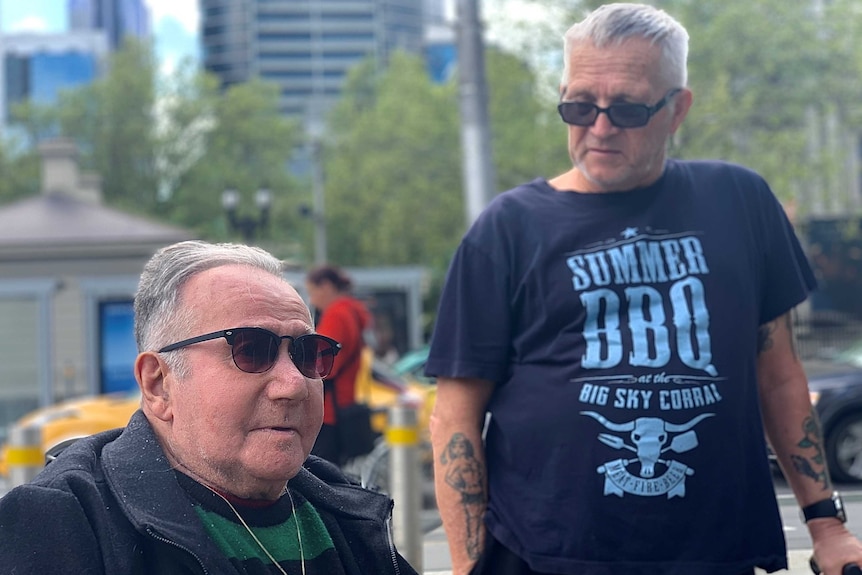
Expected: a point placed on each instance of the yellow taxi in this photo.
(63, 423)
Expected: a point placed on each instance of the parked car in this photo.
(836, 392)
(412, 365)
(63, 423)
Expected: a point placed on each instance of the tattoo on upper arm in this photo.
(466, 475)
(813, 466)
(764, 337)
(788, 321)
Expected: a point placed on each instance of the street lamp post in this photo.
(319, 209)
(245, 224)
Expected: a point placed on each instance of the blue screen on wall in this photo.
(117, 349)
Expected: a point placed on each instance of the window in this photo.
(24, 349)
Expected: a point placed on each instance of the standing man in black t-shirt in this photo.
(627, 326)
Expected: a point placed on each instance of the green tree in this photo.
(394, 189)
(776, 88)
(19, 170)
(20, 162)
(393, 163)
(113, 120)
(393, 168)
(233, 140)
(755, 68)
(528, 138)
(169, 149)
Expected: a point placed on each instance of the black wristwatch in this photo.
(832, 507)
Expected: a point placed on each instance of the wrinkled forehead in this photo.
(241, 290)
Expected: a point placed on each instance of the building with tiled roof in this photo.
(69, 267)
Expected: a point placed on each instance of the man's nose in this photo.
(286, 380)
(603, 124)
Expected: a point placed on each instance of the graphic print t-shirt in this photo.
(621, 330)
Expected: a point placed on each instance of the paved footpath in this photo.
(436, 559)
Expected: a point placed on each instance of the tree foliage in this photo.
(776, 88)
(112, 119)
(233, 140)
(392, 168)
(169, 149)
(394, 185)
(19, 170)
(769, 77)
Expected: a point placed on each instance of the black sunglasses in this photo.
(621, 115)
(255, 350)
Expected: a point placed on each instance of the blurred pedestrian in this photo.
(627, 325)
(347, 320)
(211, 475)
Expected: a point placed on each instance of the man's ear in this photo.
(681, 107)
(152, 375)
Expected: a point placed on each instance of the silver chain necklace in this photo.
(253, 536)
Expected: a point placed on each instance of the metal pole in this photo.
(319, 215)
(24, 456)
(402, 434)
(478, 178)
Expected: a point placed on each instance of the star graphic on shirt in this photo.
(629, 233)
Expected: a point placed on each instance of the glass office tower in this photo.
(37, 67)
(308, 47)
(119, 19)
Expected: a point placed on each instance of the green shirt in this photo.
(276, 527)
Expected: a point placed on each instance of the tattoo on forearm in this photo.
(764, 337)
(813, 466)
(466, 475)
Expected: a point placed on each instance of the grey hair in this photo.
(613, 24)
(159, 315)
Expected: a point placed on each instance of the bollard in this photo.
(402, 435)
(24, 456)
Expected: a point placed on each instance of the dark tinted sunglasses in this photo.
(621, 115)
(255, 350)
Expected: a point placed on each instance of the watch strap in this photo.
(832, 507)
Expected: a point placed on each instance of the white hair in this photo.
(159, 315)
(613, 24)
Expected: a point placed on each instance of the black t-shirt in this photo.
(621, 330)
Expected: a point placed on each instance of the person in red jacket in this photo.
(345, 319)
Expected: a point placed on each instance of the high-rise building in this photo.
(36, 67)
(119, 19)
(306, 47)
(441, 53)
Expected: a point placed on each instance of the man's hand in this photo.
(834, 547)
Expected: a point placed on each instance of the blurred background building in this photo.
(37, 67)
(118, 19)
(69, 268)
(308, 48)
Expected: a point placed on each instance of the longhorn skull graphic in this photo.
(649, 436)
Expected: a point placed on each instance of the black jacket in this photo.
(111, 505)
